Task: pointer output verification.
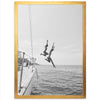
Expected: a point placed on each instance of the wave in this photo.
(59, 81)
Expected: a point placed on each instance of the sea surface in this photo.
(62, 80)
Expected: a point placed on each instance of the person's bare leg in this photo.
(49, 57)
(44, 52)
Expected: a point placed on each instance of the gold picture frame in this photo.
(16, 45)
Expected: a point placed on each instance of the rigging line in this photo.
(29, 56)
(25, 54)
(30, 28)
(17, 43)
(28, 50)
(30, 19)
(28, 47)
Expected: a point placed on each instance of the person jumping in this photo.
(49, 57)
(45, 51)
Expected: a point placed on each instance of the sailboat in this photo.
(27, 75)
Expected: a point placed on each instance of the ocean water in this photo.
(62, 80)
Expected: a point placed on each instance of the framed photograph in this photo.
(50, 49)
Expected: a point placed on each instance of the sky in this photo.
(60, 24)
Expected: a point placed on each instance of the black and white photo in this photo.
(50, 51)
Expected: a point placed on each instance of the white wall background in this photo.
(7, 49)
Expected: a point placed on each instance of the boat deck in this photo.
(26, 79)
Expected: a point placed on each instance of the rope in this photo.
(30, 19)
(30, 28)
(27, 54)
